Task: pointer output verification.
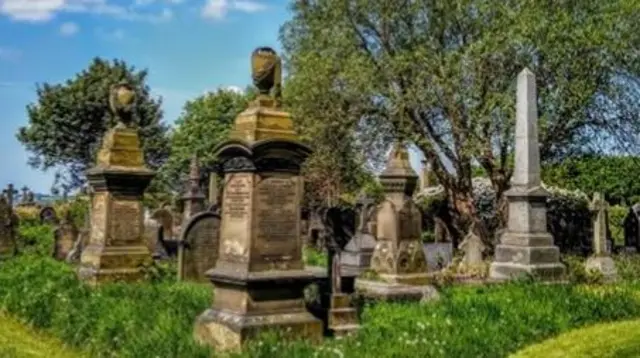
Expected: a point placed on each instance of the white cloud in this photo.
(218, 9)
(9, 54)
(111, 35)
(45, 10)
(69, 29)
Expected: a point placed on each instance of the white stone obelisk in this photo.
(526, 247)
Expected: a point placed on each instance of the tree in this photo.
(67, 122)
(204, 123)
(441, 74)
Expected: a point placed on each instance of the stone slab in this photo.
(377, 290)
(438, 249)
(605, 265)
(508, 270)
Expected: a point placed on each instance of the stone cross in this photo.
(25, 194)
(9, 193)
(599, 206)
(364, 203)
(473, 247)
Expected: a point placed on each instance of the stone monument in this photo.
(9, 193)
(65, 235)
(398, 263)
(631, 226)
(424, 176)
(526, 247)
(198, 250)
(48, 215)
(473, 247)
(259, 276)
(356, 255)
(600, 261)
(193, 198)
(116, 249)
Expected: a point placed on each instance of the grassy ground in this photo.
(608, 340)
(20, 341)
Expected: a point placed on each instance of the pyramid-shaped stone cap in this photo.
(398, 174)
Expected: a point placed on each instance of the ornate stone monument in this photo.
(193, 198)
(116, 249)
(600, 261)
(526, 247)
(259, 276)
(398, 263)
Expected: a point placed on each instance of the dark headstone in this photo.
(199, 246)
(48, 215)
(631, 225)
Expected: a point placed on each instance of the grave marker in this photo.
(198, 246)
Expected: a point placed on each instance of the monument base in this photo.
(228, 331)
(100, 264)
(526, 254)
(603, 264)
(247, 304)
(389, 291)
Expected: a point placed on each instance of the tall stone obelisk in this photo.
(526, 247)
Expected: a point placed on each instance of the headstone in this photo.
(339, 224)
(9, 194)
(193, 198)
(398, 259)
(8, 225)
(473, 247)
(48, 215)
(116, 250)
(356, 256)
(440, 230)
(439, 255)
(198, 249)
(259, 276)
(84, 233)
(601, 261)
(526, 247)
(65, 235)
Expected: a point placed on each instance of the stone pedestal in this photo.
(526, 247)
(604, 265)
(117, 250)
(343, 318)
(259, 276)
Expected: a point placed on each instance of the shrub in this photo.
(28, 215)
(568, 216)
(35, 238)
(124, 320)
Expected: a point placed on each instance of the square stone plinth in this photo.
(386, 291)
(513, 261)
(228, 331)
(109, 264)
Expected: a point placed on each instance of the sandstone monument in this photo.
(601, 260)
(259, 276)
(116, 249)
(526, 247)
(398, 263)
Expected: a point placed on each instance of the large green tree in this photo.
(68, 120)
(204, 123)
(442, 75)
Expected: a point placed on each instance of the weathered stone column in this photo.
(116, 249)
(259, 276)
(526, 247)
(601, 260)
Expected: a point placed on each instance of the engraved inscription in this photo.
(278, 210)
(125, 222)
(236, 221)
(237, 196)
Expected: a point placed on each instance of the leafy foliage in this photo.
(204, 123)
(68, 121)
(614, 176)
(442, 74)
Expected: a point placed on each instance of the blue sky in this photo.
(189, 47)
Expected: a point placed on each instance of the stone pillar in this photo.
(116, 249)
(398, 262)
(526, 247)
(424, 177)
(259, 276)
(193, 198)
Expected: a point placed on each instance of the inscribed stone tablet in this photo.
(236, 222)
(125, 220)
(278, 217)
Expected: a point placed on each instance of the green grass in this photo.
(609, 340)
(20, 341)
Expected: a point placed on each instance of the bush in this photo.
(568, 215)
(124, 320)
(36, 239)
(467, 322)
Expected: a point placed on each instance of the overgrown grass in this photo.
(135, 320)
(469, 322)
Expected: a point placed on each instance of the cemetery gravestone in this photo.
(65, 235)
(198, 249)
(356, 256)
(473, 247)
(9, 194)
(631, 231)
(526, 246)
(601, 261)
(166, 234)
(8, 224)
(48, 215)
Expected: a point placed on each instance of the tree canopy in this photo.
(68, 120)
(441, 74)
(204, 123)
